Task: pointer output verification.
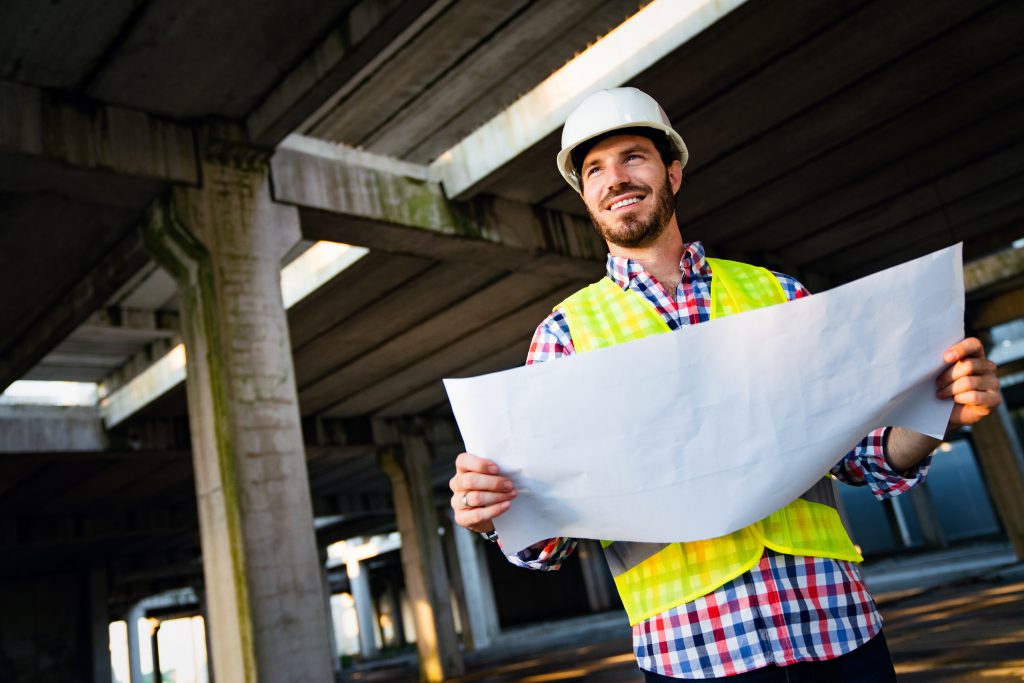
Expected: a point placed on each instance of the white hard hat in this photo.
(608, 110)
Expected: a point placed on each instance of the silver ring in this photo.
(465, 501)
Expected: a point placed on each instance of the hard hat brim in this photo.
(564, 158)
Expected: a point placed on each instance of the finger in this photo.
(978, 398)
(968, 383)
(478, 499)
(470, 517)
(970, 366)
(473, 481)
(467, 462)
(963, 349)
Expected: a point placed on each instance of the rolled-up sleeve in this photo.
(866, 465)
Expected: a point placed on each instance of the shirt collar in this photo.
(693, 264)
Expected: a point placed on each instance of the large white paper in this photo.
(697, 433)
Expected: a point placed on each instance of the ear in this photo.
(675, 176)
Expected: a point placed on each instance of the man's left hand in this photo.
(970, 381)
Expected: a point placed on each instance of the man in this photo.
(764, 603)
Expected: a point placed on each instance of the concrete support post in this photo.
(201, 594)
(394, 598)
(426, 579)
(134, 645)
(481, 607)
(999, 455)
(460, 610)
(921, 503)
(332, 640)
(366, 614)
(596, 578)
(102, 672)
(224, 243)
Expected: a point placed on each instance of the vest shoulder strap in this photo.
(739, 287)
(604, 314)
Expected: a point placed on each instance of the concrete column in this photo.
(366, 613)
(426, 579)
(201, 595)
(394, 598)
(921, 502)
(999, 455)
(596, 577)
(481, 607)
(332, 639)
(224, 243)
(154, 644)
(460, 610)
(102, 672)
(134, 653)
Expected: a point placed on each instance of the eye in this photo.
(591, 171)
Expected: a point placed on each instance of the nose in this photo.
(615, 175)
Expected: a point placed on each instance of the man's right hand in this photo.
(479, 493)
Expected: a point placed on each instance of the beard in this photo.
(636, 231)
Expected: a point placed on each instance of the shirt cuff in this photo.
(881, 478)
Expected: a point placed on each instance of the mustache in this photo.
(609, 198)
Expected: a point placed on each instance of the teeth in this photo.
(625, 202)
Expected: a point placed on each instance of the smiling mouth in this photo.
(624, 202)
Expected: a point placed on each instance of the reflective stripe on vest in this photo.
(654, 577)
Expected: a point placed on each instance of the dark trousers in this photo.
(869, 663)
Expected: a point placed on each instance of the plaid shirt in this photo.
(786, 609)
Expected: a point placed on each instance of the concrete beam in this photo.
(994, 270)
(94, 136)
(349, 196)
(42, 429)
(635, 45)
(999, 309)
(57, 322)
(369, 34)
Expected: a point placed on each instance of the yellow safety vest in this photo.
(654, 577)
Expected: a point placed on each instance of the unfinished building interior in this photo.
(315, 211)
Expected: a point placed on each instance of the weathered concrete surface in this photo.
(407, 464)
(25, 429)
(78, 303)
(999, 456)
(370, 33)
(224, 244)
(610, 62)
(388, 205)
(478, 590)
(101, 137)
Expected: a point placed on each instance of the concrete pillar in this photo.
(201, 595)
(102, 672)
(134, 656)
(426, 580)
(332, 639)
(394, 598)
(366, 613)
(999, 455)
(224, 243)
(154, 644)
(596, 576)
(921, 502)
(481, 612)
(460, 610)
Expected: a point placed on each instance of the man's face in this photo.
(628, 191)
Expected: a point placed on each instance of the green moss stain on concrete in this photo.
(177, 250)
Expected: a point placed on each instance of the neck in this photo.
(660, 259)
